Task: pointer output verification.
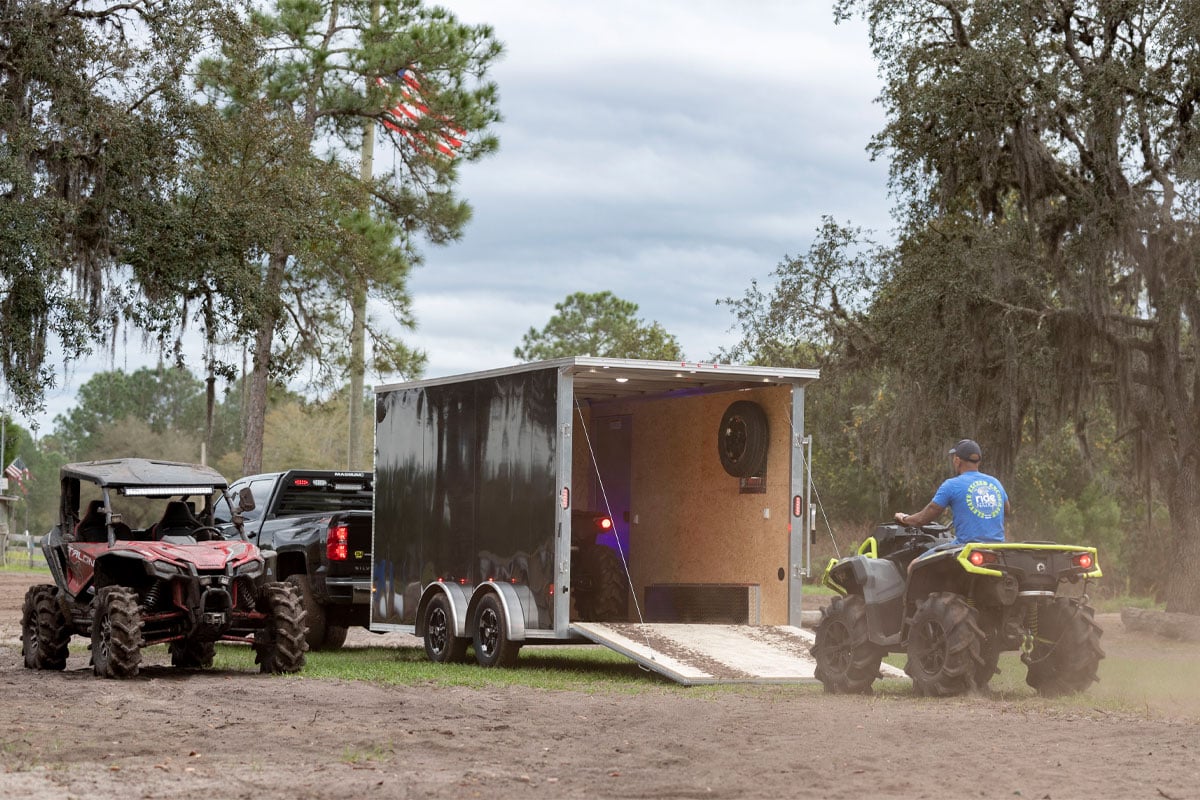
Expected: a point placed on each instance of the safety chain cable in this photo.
(608, 509)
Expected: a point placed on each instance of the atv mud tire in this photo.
(607, 599)
(847, 662)
(116, 633)
(279, 645)
(944, 646)
(320, 635)
(1066, 652)
(44, 633)
(191, 654)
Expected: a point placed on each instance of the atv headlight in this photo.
(251, 569)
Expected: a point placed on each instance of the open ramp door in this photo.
(694, 654)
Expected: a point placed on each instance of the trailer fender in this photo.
(457, 597)
(516, 608)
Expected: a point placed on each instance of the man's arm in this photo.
(923, 517)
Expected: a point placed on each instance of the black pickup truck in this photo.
(319, 523)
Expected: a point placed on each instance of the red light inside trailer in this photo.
(337, 546)
(605, 524)
(1084, 561)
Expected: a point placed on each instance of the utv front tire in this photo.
(1066, 652)
(944, 646)
(279, 645)
(847, 662)
(44, 633)
(116, 633)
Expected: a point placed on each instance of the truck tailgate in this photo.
(694, 654)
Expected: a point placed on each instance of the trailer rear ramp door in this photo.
(694, 654)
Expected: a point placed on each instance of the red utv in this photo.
(143, 565)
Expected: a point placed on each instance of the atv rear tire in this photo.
(607, 599)
(116, 633)
(944, 646)
(320, 635)
(191, 654)
(1066, 652)
(847, 662)
(279, 645)
(44, 633)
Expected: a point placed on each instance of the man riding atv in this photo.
(977, 501)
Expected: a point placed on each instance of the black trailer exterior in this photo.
(477, 477)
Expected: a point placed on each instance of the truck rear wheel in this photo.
(279, 645)
(320, 635)
(847, 662)
(944, 646)
(116, 633)
(492, 645)
(1066, 652)
(44, 633)
(441, 645)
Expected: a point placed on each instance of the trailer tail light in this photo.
(1085, 561)
(337, 546)
(981, 557)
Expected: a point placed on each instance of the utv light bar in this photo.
(165, 491)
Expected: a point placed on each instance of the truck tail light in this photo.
(337, 545)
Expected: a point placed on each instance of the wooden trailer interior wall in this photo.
(689, 522)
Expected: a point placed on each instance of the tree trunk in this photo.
(1183, 501)
(255, 411)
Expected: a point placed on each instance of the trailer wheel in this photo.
(441, 645)
(492, 645)
(1066, 653)
(943, 646)
(847, 662)
(742, 439)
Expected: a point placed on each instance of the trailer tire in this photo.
(116, 633)
(944, 646)
(45, 636)
(441, 645)
(1066, 653)
(847, 662)
(493, 648)
(742, 439)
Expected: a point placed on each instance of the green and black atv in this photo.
(956, 610)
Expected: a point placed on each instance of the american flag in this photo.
(18, 472)
(405, 117)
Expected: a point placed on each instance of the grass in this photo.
(21, 564)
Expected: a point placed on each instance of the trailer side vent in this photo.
(713, 603)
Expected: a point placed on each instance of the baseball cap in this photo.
(967, 450)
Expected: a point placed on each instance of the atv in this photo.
(170, 578)
(954, 609)
(599, 582)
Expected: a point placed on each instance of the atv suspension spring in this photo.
(154, 594)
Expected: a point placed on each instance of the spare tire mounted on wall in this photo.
(742, 439)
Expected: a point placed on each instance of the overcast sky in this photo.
(668, 151)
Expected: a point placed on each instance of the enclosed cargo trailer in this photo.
(702, 471)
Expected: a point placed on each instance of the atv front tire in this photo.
(1066, 652)
(847, 662)
(116, 633)
(44, 633)
(279, 645)
(944, 646)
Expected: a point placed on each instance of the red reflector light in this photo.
(1084, 561)
(605, 523)
(337, 546)
(301, 482)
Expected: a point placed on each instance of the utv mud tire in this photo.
(493, 648)
(44, 633)
(320, 635)
(441, 645)
(116, 633)
(742, 439)
(847, 662)
(279, 645)
(608, 600)
(944, 646)
(190, 654)
(1066, 653)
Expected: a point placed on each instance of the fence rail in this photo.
(21, 549)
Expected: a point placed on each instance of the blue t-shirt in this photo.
(977, 501)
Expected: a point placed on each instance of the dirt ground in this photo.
(244, 735)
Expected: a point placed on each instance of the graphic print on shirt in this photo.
(984, 500)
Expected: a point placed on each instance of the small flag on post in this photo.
(18, 472)
(405, 117)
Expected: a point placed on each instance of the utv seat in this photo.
(177, 520)
(92, 527)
